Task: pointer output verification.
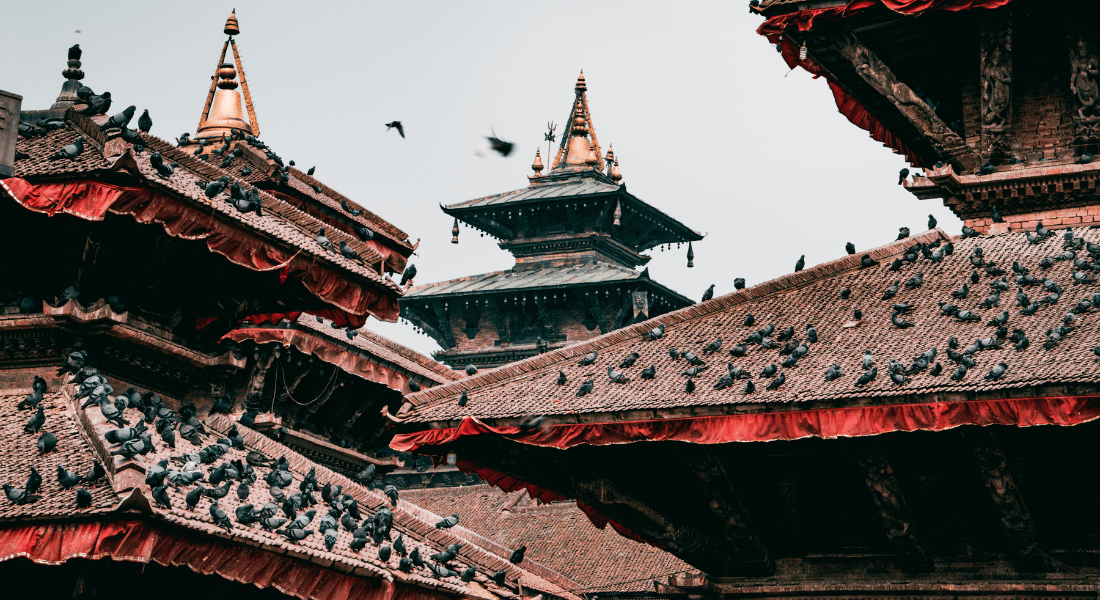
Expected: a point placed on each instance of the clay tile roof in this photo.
(416, 531)
(385, 349)
(280, 220)
(529, 387)
(20, 454)
(332, 199)
(559, 536)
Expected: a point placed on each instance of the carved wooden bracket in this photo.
(595, 317)
(444, 323)
(996, 82)
(871, 69)
(997, 478)
(894, 511)
(725, 503)
(500, 320)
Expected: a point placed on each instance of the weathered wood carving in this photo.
(894, 511)
(872, 70)
(996, 80)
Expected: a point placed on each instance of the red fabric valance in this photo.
(786, 425)
(140, 541)
(328, 352)
(91, 200)
(848, 106)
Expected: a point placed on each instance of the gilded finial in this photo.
(580, 124)
(537, 165)
(617, 175)
(231, 25)
(618, 214)
(228, 75)
(610, 158)
(454, 232)
(691, 256)
(581, 87)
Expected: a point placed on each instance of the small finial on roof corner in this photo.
(537, 165)
(231, 25)
(593, 159)
(616, 174)
(581, 86)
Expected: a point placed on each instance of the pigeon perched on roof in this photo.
(447, 522)
(867, 376)
(18, 496)
(739, 283)
(850, 248)
(561, 377)
(902, 175)
(70, 151)
(46, 443)
(1084, 159)
(903, 232)
(34, 425)
(589, 358)
(707, 295)
(349, 253)
(931, 222)
(649, 372)
(632, 358)
(586, 388)
(890, 291)
(798, 266)
(654, 334)
(408, 275)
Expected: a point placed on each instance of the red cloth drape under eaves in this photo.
(328, 352)
(140, 541)
(784, 425)
(339, 318)
(788, 425)
(91, 200)
(848, 106)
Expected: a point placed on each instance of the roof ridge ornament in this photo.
(576, 148)
(222, 114)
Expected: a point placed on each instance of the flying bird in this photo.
(500, 146)
(391, 125)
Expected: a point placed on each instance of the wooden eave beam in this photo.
(893, 509)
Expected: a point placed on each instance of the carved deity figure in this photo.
(996, 90)
(1082, 81)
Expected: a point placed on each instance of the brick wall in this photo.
(1056, 218)
(567, 321)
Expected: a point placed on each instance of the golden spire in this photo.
(576, 148)
(223, 113)
(616, 174)
(536, 166)
(610, 158)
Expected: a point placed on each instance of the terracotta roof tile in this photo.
(385, 349)
(809, 297)
(558, 536)
(417, 533)
(280, 221)
(72, 452)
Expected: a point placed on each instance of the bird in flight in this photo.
(396, 124)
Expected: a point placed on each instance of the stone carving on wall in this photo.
(945, 141)
(1084, 70)
(996, 80)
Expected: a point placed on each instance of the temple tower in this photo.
(577, 236)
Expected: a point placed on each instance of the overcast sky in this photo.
(705, 120)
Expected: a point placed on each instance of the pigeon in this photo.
(145, 123)
(858, 314)
(391, 493)
(707, 295)
(778, 381)
(83, 498)
(517, 555)
(997, 371)
(987, 169)
(654, 334)
(868, 359)
(220, 518)
(19, 497)
(447, 522)
(902, 175)
(650, 372)
(896, 265)
(586, 388)
(739, 283)
(46, 443)
(408, 275)
(834, 372)
(915, 282)
(769, 370)
(689, 387)
(349, 253)
(749, 320)
(393, 125)
(561, 378)
(738, 350)
(1084, 159)
(673, 354)
(34, 425)
(867, 262)
(324, 242)
(692, 359)
(500, 146)
(34, 482)
(890, 292)
(931, 222)
(70, 151)
(850, 248)
(960, 373)
(295, 535)
(903, 232)
(634, 356)
(366, 475)
(589, 358)
(798, 266)
(995, 215)
(710, 348)
(97, 104)
(355, 212)
(845, 293)
(867, 377)
(900, 322)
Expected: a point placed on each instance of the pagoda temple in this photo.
(926, 436)
(577, 236)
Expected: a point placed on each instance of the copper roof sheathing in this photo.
(528, 280)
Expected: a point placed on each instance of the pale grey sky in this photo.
(706, 122)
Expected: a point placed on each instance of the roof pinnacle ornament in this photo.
(609, 158)
(231, 25)
(537, 165)
(616, 174)
(691, 256)
(454, 232)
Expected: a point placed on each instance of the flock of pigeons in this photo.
(289, 514)
(1084, 257)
